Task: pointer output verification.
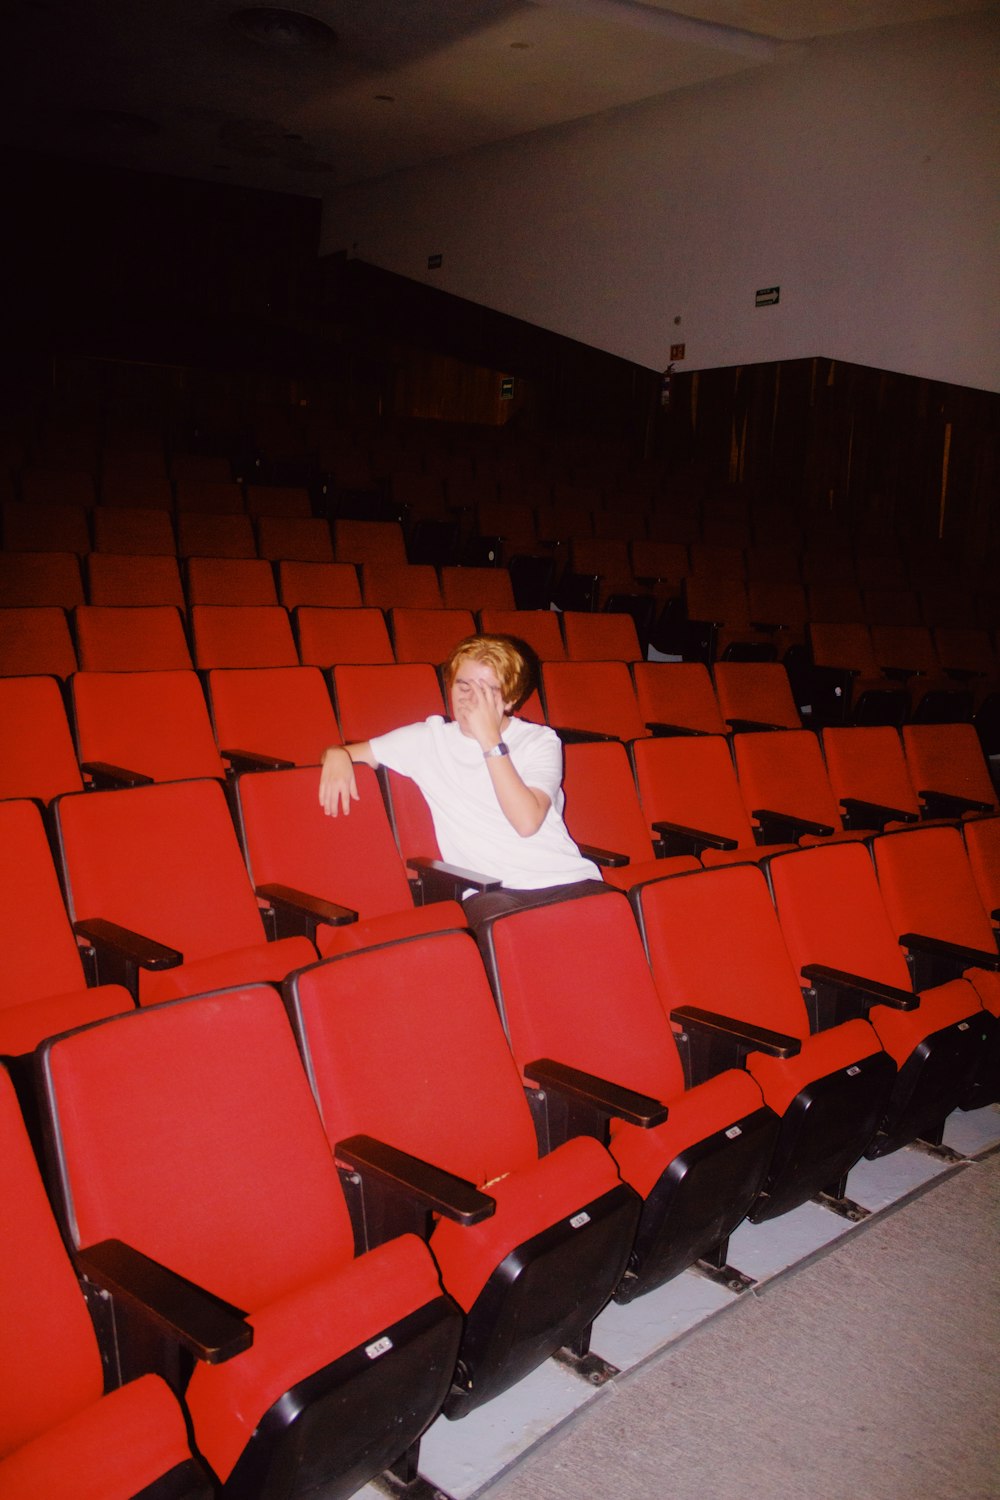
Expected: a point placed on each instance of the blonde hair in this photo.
(514, 670)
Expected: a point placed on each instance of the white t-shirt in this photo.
(472, 832)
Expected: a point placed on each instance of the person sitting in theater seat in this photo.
(492, 781)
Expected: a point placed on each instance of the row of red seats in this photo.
(179, 1132)
(158, 724)
(119, 638)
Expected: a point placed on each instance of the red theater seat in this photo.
(531, 1277)
(339, 880)
(155, 879)
(574, 989)
(714, 944)
(43, 984)
(61, 1432)
(186, 1136)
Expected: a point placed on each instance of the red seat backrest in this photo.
(434, 1078)
(194, 1139)
(50, 1368)
(162, 860)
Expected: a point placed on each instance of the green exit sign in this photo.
(507, 389)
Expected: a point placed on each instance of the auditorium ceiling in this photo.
(324, 93)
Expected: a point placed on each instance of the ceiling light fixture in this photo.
(287, 30)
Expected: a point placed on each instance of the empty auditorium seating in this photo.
(296, 538)
(114, 579)
(714, 944)
(869, 775)
(400, 586)
(379, 542)
(46, 528)
(909, 651)
(271, 714)
(531, 1277)
(785, 788)
(848, 685)
(845, 949)
(429, 634)
(37, 755)
(45, 579)
(356, 635)
(211, 535)
(242, 635)
(371, 700)
(935, 909)
(314, 1366)
(131, 638)
(43, 982)
(62, 1431)
(678, 698)
(155, 880)
(136, 726)
(476, 588)
(755, 695)
(595, 698)
(604, 818)
(36, 641)
(327, 585)
(948, 769)
(600, 637)
(341, 880)
(691, 799)
(599, 1057)
(538, 628)
(231, 581)
(133, 532)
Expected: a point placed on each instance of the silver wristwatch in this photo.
(500, 749)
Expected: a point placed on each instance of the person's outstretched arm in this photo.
(338, 786)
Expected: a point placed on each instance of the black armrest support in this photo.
(934, 961)
(785, 828)
(900, 674)
(716, 1042)
(297, 913)
(675, 838)
(608, 859)
(121, 953)
(834, 995)
(107, 777)
(752, 726)
(570, 736)
(610, 1098)
(210, 1328)
(949, 804)
(253, 760)
(660, 730)
(392, 1192)
(861, 814)
(439, 881)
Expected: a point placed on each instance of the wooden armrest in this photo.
(107, 777)
(253, 760)
(298, 913)
(434, 1189)
(608, 859)
(440, 881)
(210, 1328)
(791, 827)
(586, 1088)
(861, 814)
(677, 839)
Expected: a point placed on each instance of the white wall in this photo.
(861, 176)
